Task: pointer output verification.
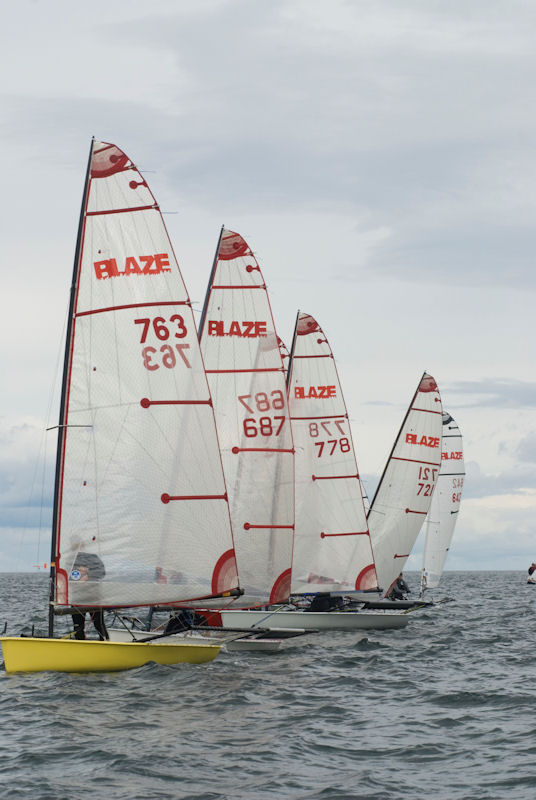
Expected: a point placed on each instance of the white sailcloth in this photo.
(443, 513)
(404, 493)
(247, 381)
(141, 483)
(332, 548)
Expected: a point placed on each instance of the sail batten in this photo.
(332, 549)
(122, 452)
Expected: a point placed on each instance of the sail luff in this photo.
(64, 395)
(209, 287)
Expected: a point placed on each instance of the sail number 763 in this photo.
(162, 329)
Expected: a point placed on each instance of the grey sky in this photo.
(377, 156)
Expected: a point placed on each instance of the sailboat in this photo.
(139, 482)
(332, 547)
(443, 513)
(246, 375)
(404, 493)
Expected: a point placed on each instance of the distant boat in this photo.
(139, 483)
(404, 493)
(443, 514)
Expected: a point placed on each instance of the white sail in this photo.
(247, 381)
(140, 481)
(443, 513)
(404, 493)
(332, 548)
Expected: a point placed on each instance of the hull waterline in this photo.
(70, 655)
(315, 620)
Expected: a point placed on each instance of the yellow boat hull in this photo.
(23, 654)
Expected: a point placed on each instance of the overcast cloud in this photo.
(378, 156)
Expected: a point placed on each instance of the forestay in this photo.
(332, 548)
(404, 493)
(247, 381)
(443, 513)
(140, 481)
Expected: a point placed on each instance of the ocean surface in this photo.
(444, 709)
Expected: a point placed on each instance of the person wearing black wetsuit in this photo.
(90, 568)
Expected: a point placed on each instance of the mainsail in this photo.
(332, 548)
(139, 480)
(443, 513)
(247, 380)
(404, 493)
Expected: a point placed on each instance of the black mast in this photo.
(394, 445)
(209, 287)
(63, 409)
(292, 348)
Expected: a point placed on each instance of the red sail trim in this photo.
(412, 511)
(237, 450)
(133, 305)
(403, 556)
(166, 498)
(252, 286)
(426, 410)
(121, 210)
(417, 461)
(352, 533)
(323, 416)
(281, 588)
(232, 246)
(307, 324)
(248, 526)
(367, 578)
(145, 402)
(230, 371)
(224, 572)
(332, 477)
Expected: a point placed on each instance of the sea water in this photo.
(443, 708)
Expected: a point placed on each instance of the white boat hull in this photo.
(315, 620)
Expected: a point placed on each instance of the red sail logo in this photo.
(452, 456)
(134, 265)
(426, 441)
(320, 392)
(247, 329)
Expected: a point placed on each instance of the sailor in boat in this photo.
(532, 576)
(88, 567)
(400, 589)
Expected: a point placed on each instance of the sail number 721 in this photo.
(426, 474)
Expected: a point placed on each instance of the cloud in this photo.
(496, 393)
(526, 449)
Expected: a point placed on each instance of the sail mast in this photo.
(292, 349)
(62, 414)
(209, 286)
(393, 447)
